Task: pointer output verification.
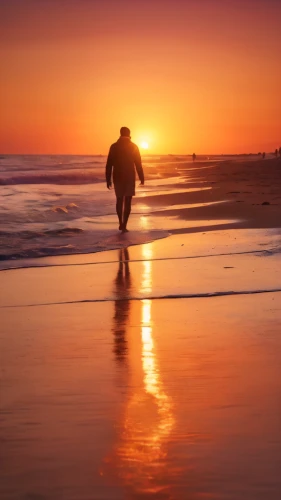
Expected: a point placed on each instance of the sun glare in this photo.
(144, 145)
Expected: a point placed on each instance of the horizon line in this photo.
(142, 154)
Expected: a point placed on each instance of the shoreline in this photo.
(235, 195)
(217, 263)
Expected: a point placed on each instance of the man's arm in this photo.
(108, 168)
(137, 161)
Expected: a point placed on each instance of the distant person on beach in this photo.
(123, 157)
(263, 155)
(194, 156)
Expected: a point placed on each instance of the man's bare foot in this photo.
(125, 230)
(120, 227)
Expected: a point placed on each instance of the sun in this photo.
(144, 145)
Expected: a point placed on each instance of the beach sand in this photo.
(152, 371)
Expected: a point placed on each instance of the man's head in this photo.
(125, 132)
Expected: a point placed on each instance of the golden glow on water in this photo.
(152, 381)
(146, 280)
(144, 220)
(141, 454)
(151, 376)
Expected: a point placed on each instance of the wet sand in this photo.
(250, 192)
(147, 372)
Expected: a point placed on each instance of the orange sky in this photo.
(185, 76)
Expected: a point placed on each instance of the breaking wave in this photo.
(80, 177)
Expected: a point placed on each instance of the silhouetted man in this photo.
(123, 157)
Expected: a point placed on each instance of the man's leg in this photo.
(119, 210)
(127, 211)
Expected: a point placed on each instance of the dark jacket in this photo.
(123, 157)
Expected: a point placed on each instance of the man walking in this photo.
(123, 157)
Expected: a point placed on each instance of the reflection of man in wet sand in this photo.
(123, 157)
(140, 457)
(122, 305)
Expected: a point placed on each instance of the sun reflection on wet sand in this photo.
(152, 379)
(140, 458)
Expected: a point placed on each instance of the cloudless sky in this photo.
(184, 75)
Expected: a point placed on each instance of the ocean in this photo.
(59, 205)
(54, 205)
